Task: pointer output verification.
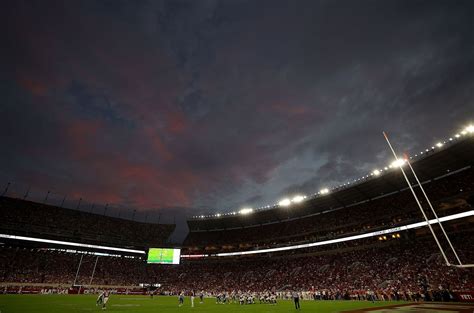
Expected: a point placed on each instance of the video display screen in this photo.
(164, 256)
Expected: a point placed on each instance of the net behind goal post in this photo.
(400, 163)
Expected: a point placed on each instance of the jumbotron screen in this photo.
(164, 255)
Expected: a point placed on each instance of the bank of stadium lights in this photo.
(468, 130)
(397, 163)
(287, 201)
(324, 191)
(298, 199)
(246, 211)
(284, 202)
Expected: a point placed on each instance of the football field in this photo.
(119, 303)
(139, 304)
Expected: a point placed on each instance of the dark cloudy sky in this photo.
(215, 105)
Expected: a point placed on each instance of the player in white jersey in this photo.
(100, 299)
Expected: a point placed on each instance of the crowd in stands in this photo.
(448, 195)
(20, 217)
(408, 266)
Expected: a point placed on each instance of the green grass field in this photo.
(139, 304)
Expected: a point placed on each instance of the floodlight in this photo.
(284, 202)
(298, 198)
(398, 163)
(470, 129)
(439, 145)
(218, 215)
(324, 191)
(376, 172)
(246, 211)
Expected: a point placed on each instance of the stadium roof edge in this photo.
(453, 158)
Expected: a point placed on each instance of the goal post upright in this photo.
(460, 265)
(78, 268)
(417, 201)
(434, 212)
(93, 271)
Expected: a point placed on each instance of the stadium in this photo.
(237, 156)
(352, 244)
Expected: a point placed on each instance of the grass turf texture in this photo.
(138, 304)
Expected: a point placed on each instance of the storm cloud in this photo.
(208, 106)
